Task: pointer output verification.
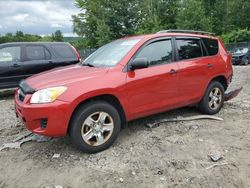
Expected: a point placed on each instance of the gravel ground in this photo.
(171, 155)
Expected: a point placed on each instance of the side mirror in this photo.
(139, 63)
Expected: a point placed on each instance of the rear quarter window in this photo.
(211, 45)
(63, 50)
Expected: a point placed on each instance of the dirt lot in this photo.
(171, 155)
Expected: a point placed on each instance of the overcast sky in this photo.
(40, 17)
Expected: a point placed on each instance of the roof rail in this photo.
(187, 31)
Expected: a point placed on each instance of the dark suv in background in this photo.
(241, 56)
(21, 60)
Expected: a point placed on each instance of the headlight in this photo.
(47, 95)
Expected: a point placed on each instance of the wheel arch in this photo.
(222, 79)
(219, 78)
(109, 98)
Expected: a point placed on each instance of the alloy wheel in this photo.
(97, 128)
(215, 98)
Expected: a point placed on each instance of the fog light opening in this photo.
(43, 123)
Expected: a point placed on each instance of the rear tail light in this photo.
(77, 54)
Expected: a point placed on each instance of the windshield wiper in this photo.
(88, 64)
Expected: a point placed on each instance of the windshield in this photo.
(241, 51)
(110, 54)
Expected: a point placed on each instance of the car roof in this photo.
(24, 43)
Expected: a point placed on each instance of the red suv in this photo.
(124, 80)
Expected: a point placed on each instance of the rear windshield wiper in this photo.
(88, 64)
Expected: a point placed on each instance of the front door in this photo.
(153, 89)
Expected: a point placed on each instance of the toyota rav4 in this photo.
(124, 80)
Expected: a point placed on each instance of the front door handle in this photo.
(16, 65)
(209, 65)
(172, 71)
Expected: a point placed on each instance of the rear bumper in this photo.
(56, 114)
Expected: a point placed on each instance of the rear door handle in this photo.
(16, 65)
(172, 71)
(209, 65)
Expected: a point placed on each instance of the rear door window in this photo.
(63, 50)
(10, 54)
(189, 48)
(159, 52)
(211, 46)
(37, 53)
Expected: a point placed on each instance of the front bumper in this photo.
(236, 61)
(56, 114)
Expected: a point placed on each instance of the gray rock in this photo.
(215, 156)
(121, 180)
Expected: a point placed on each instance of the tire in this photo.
(246, 61)
(95, 126)
(209, 104)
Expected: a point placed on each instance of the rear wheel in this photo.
(213, 99)
(95, 126)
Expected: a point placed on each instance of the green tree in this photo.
(101, 21)
(228, 15)
(236, 36)
(46, 39)
(19, 36)
(57, 36)
(191, 15)
(157, 15)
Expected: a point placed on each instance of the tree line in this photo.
(19, 36)
(101, 21)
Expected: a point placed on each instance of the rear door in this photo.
(37, 59)
(193, 68)
(10, 65)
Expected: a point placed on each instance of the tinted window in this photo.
(37, 53)
(9, 54)
(189, 48)
(63, 51)
(211, 45)
(159, 52)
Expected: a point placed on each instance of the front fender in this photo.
(120, 96)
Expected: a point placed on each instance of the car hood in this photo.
(64, 76)
(238, 55)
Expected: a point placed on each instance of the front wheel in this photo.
(95, 126)
(213, 99)
(245, 61)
